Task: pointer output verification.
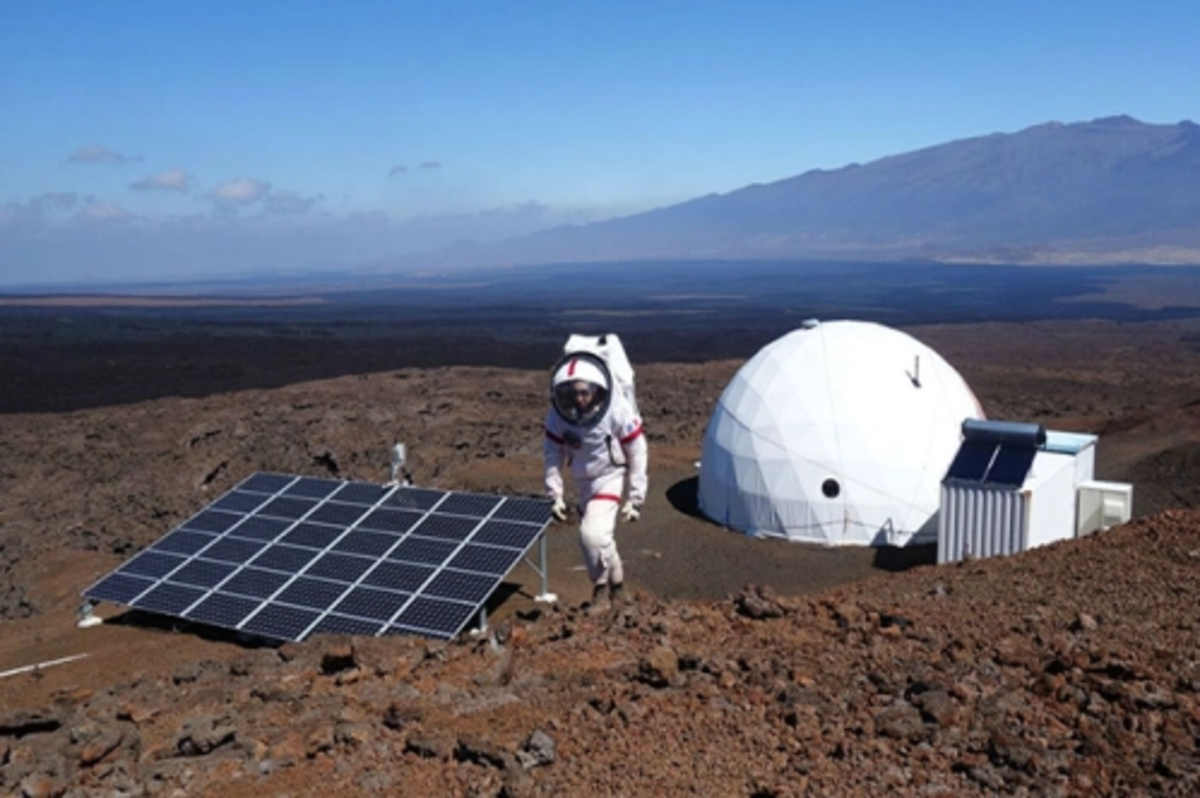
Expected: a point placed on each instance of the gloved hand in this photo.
(631, 511)
(559, 510)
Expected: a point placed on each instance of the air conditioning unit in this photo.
(1101, 505)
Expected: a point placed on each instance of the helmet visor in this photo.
(578, 401)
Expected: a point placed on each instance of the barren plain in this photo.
(740, 667)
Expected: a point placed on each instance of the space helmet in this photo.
(580, 389)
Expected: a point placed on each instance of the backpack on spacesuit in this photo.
(608, 348)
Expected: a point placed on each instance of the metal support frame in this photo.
(545, 596)
(542, 569)
(401, 477)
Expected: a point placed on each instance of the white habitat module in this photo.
(837, 433)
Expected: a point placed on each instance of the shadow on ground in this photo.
(684, 498)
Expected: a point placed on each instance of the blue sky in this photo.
(169, 139)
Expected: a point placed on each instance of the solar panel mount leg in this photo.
(87, 616)
(544, 596)
(483, 627)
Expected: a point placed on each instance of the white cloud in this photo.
(238, 193)
(100, 211)
(173, 180)
(98, 154)
(430, 165)
(40, 209)
(289, 202)
(244, 192)
(53, 212)
(397, 170)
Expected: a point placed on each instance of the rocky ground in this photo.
(739, 667)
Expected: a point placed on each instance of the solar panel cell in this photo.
(203, 573)
(434, 617)
(369, 602)
(152, 564)
(212, 521)
(531, 511)
(313, 487)
(506, 533)
(398, 576)
(233, 550)
(288, 508)
(414, 499)
(372, 544)
(279, 557)
(360, 493)
(337, 514)
(341, 625)
(313, 536)
(255, 583)
(169, 599)
(425, 551)
(340, 567)
(446, 527)
(259, 528)
(473, 588)
(474, 505)
(389, 520)
(239, 502)
(181, 541)
(485, 559)
(315, 593)
(266, 483)
(119, 588)
(224, 610)
(280, 623)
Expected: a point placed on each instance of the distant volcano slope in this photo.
(1113, 190)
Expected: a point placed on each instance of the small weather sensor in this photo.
(399, 458)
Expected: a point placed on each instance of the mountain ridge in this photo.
(1112, 189)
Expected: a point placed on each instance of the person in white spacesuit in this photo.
(596, 433)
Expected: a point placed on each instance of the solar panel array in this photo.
(285, 557)
(999, 464)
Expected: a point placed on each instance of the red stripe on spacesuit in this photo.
(605, 497)
(554, 437)
(571, 368)
(631, 437)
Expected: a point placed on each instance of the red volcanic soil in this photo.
(740, 667)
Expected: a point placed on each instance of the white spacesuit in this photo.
(597, 433)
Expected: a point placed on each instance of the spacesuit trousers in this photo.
(597, 529)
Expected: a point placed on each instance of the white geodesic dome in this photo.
(837, 433)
